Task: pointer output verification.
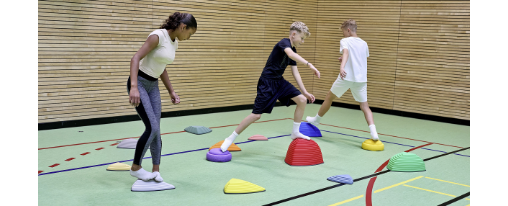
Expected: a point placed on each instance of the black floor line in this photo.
(454, 199)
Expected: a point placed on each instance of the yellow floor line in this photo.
(395, 185)
(354, 198)
(447, 181)
(349, 200)
(430, 191)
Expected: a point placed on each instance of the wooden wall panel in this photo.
(433, 59)
(419, 52)
(85, 49)
(378, 25)
(84, 53)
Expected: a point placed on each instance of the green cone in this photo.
(406, 162)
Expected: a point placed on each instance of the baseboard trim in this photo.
(128, 118)
(402, 113)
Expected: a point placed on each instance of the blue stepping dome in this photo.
(345, 179)
(309, 130)
(197, 129)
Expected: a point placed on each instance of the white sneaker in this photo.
(312, 120)
(142, 174)
(158, 177)
(299, 135)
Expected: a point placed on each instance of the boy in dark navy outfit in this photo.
(272, 86)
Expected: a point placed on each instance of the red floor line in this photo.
(54, 165)
(85, 143)
(370, 186)
(393, 136)
(138, 137)
(40, 171)
(85, 153)
(113, 144)
(70, 159)
(99, 148)
(170, 133)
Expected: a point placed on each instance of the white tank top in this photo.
(155, 62)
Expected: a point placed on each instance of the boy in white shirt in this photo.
(353, 75)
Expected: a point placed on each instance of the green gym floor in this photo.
(72, 164)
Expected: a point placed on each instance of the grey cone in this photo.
(197, 129)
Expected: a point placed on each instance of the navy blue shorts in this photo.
(269, 90)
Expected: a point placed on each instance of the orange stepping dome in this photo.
(258, 138)
(231, 148)
(302, 152)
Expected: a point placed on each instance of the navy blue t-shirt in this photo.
(278, 60)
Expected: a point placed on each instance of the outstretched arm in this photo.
(296, 57)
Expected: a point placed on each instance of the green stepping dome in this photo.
(198, 129)
(406, 162)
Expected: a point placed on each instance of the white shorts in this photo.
(358, 89)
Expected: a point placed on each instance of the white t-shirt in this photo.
(356, 65)
(155, 62)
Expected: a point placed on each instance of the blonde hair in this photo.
(300, 27)
(349, 24)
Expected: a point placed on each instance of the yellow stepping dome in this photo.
(238, 186)
(373, 145)
(119, 167)
(231, 148)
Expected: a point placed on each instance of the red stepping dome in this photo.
(303, 152)
(258, 138)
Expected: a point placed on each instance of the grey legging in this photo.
(149, 110)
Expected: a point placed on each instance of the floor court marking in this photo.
(370, 186)
(138, 137)
(169, 154)
(321, 130)
(379, 190)
(391, 142)
(442, 193)
(236, 125)
(355, 180)
(345, 135)
(404, 184)
(392, 135)
(447, 181)
(455, 199)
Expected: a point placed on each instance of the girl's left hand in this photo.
(175, 99)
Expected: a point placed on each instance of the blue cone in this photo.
(345, 179)
(309, 130)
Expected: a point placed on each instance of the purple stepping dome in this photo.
(216, 155)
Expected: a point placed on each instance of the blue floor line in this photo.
(78, 168)
(98, 165)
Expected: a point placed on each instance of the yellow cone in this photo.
(373, 145)
(241, 186)
(119, 166)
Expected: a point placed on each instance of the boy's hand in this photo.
(175, 99)
(342, 74)
(316, 72)
(310, 97)
(340, 59)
